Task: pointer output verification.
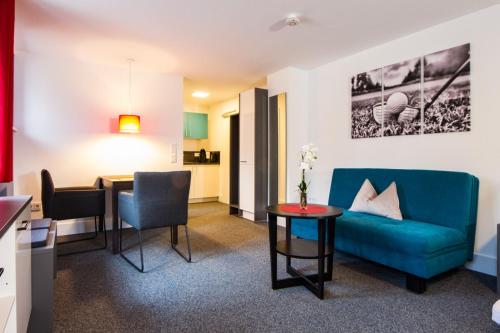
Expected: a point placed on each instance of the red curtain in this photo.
(7, 10)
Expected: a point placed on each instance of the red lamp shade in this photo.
(129, 123)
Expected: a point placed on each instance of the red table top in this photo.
(310, 209)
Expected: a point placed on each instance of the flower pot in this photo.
(303, 200)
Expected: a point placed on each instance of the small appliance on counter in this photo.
(215, 157)
(201, 157)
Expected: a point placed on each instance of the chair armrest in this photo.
(76, 188)
(127, 209)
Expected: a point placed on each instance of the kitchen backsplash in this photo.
(196, 157)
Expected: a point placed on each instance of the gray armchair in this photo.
(159, 199)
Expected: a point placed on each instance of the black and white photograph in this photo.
(447, 91)
(366, 93)
(402, 98)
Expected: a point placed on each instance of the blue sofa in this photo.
(438, 231)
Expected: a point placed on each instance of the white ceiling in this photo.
(222, 46)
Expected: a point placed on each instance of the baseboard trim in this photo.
(200, 200)
(80, 226)
(483, 263)
(247, 215)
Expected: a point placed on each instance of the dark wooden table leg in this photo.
(331, 246)
(288, 239)
(273, 238)
(175, 234)
(101, 223)
(101, 218)
(114, 212)
(321, 257)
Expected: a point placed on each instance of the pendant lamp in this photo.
(129, 123)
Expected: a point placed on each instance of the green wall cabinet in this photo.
(195, 125)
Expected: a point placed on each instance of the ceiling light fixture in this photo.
(200, 94)
(292, 20)
(129, 123)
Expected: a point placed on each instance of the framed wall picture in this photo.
(366, 102)
(423, 95)
(402, 98)
(447, 90)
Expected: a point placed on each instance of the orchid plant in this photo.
(308, 157)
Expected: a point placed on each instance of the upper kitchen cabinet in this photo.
(195, 125)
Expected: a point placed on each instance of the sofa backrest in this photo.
(439, 197)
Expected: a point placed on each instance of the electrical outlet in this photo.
(36, 206)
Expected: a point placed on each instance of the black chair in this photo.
(159, 199)
(66, 203)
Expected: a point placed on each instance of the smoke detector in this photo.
(292, 20)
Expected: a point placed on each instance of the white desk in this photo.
(15, 259)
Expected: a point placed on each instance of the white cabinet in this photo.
(204, 182)
(15, 259)
(247, 153)
(253, 154)
(247, 127)
(207, 181)
(247, 176)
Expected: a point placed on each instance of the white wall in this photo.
(64, 110)
(295, 83)
(475, 152)
(218, 132)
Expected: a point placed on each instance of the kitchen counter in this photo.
(201, 163)
(10, 209)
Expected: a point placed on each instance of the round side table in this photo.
(323, 248)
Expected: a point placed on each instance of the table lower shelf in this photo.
(301, 249)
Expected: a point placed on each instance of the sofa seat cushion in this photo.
(409, 237)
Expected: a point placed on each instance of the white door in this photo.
(247, 126)
(247, 190)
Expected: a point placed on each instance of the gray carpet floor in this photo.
(228, 289)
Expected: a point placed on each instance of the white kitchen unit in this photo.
(15, 264)
(204, 182)
(253, 168)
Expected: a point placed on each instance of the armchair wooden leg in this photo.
(141, 269)
(174, 246)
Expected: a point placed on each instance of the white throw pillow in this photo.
(385, 204)
(365, 194)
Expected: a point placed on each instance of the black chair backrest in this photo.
(48, 191)
(161, 198)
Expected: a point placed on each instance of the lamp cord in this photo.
(130, 85)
